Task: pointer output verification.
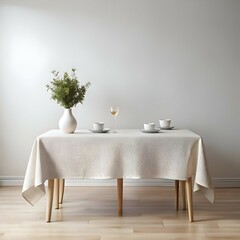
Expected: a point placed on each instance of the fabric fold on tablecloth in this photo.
(202, 180)
(33, 189)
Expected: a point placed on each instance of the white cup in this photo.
(149, 126)
(98, 126)
(165, 123)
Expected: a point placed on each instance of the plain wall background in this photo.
(177, 59)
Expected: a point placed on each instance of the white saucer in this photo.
(105, 130)
(168, 128)
(156, 130)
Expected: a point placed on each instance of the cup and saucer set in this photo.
(165, 124)
(98, 127)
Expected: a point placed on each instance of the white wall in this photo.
(178, 59)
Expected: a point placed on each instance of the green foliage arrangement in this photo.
(66, 90)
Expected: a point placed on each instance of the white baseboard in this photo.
(218, 182)
(226, 182)
(10, 181)
(127, 182)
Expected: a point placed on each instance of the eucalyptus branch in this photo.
(67, 91)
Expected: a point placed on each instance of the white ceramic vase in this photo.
(67, 122)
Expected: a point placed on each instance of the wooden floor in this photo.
(91, 213)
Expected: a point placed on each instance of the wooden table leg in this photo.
(120, 195)
(183, 194)
(176, 194)
(189, 198)
(61, 190)
(56, 193)
(49, 199)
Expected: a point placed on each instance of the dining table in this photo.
(176, 154)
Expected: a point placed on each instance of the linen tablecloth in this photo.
(174, 154)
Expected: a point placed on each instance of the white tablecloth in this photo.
(173, 154)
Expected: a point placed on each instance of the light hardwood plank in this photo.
(149, 213)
